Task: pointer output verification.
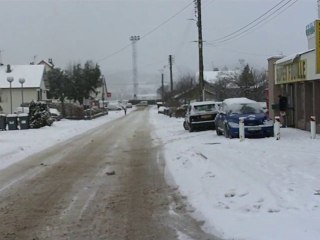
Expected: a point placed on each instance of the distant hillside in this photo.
(120, 84)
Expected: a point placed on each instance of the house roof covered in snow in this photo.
(31, 73)
(292, 58)
(48, 63)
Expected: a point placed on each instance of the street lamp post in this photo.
(10, 80)
(22, 81)
(134, 40)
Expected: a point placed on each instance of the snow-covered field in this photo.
(259, 189)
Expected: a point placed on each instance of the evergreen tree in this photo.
(60, 86)
(39, 115)
(91, 75)
(84, 81)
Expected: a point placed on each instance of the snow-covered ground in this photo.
(19, 144)
(259, 189)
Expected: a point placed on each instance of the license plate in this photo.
(254, 128)
(206, 116)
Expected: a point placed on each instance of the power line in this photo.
(262, 21)
(166, 21)
(208, 3)
(147, 34)
(240, 33)
(228, 35)
(115, 53)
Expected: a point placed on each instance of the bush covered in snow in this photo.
(39, 115)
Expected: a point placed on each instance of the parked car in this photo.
(264, 106)
(143, 103)
(19, 110)
(55, 114)
(162, 109)
(129, 105)
(181, 111)
(256, 121)
(200, 115)
(159, 104)
(114, 106)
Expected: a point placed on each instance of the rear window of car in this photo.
(245, 108)
(207, 107)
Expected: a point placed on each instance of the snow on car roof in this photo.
(203, 103)
(238, 100)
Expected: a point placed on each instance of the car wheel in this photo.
(226, 131)
(191, 128)
(219, 133)
(185, 125)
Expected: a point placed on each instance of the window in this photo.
(207, 107)
(245, 108)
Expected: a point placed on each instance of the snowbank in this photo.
(257, 189)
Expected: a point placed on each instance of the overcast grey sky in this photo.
(72, 31)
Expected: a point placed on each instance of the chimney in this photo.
(9, 68)
(51, 62)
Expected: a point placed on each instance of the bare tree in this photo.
(184, 83)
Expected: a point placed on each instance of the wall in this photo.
(28, 96)
(273, 90)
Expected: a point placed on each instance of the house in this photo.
(48, 65)
(297, 77)
(213, 77)
(210, 78)
(33, 87)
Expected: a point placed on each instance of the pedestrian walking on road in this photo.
(125, 109)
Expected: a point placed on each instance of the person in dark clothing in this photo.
(283, 106)
(124, 109)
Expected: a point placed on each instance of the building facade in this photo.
(33, 87)
(298, 78)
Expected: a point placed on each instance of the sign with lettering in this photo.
(291, 72)
(310, 29)
(317, 39)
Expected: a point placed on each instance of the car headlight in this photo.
(268, 122)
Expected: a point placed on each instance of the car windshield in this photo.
(206, 107)
(245, 108)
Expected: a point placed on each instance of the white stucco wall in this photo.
(28, 96)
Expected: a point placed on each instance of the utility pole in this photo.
(171, 80)
(104, 89)
(1, 63)
(134, 39)
(162, 86)
(200, 47)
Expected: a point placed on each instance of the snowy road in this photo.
(105, 184)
